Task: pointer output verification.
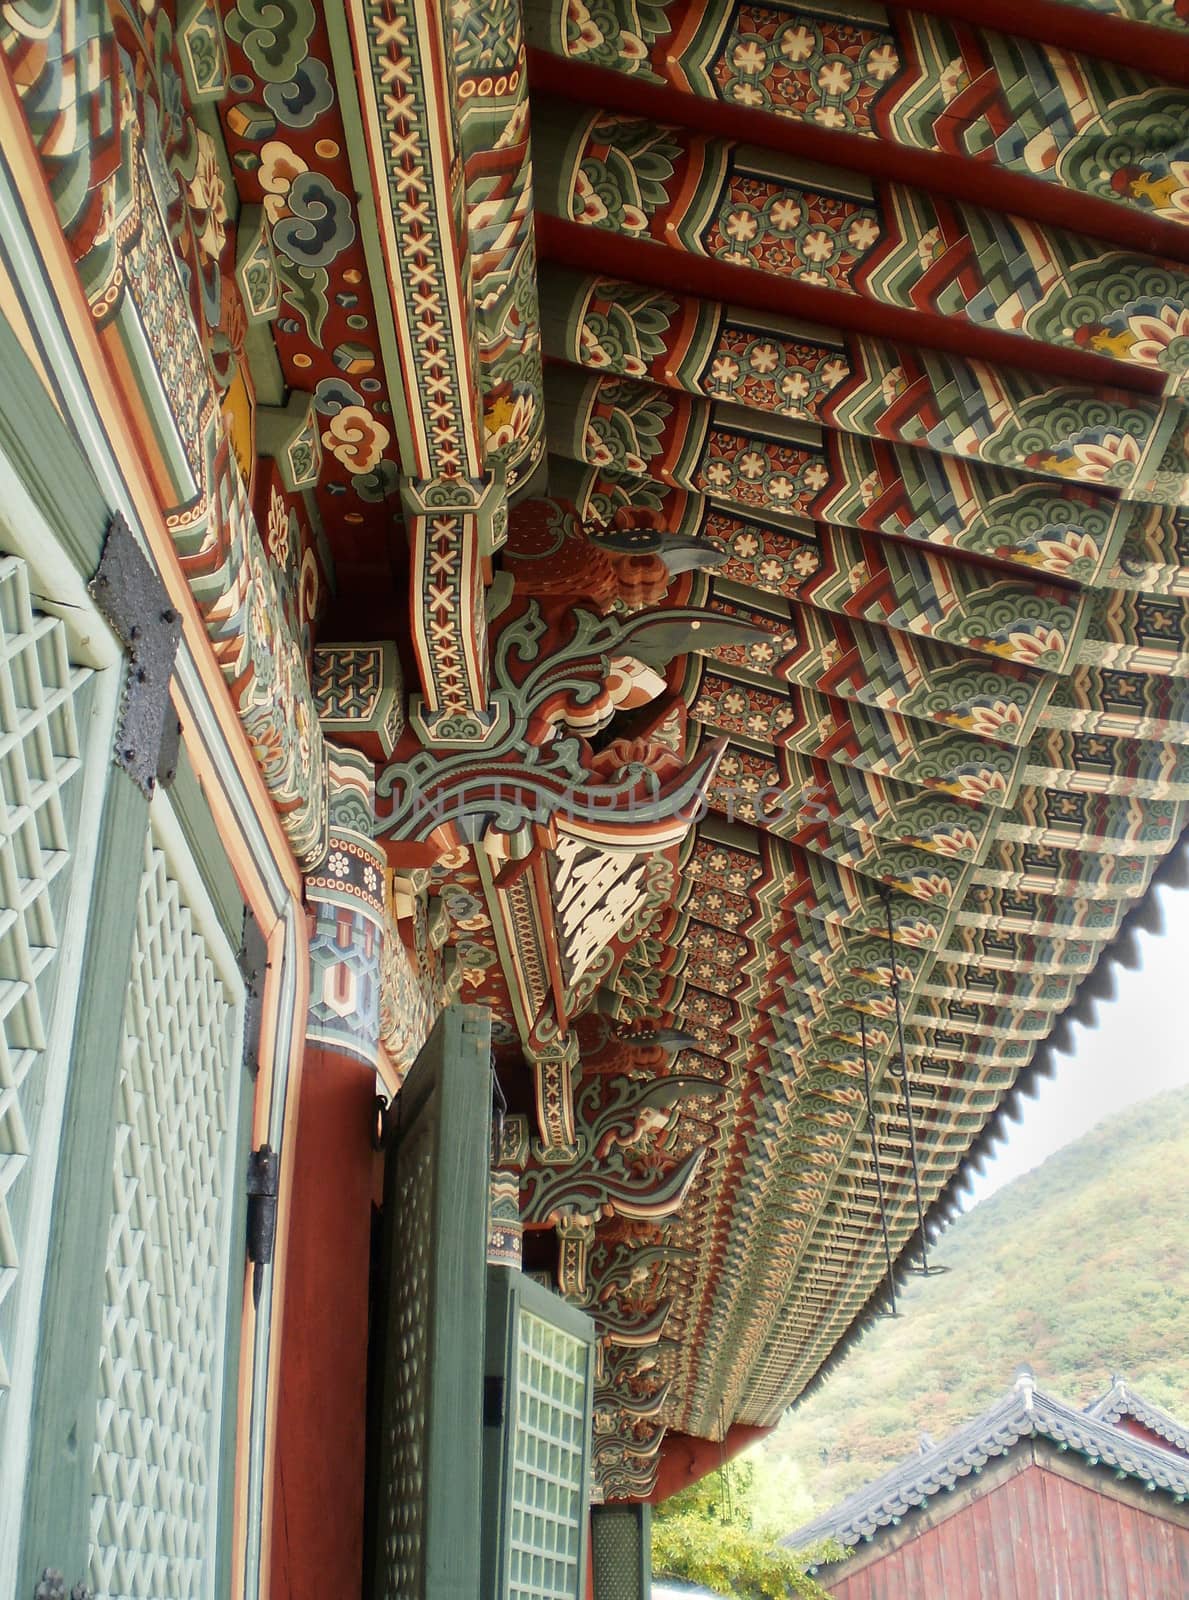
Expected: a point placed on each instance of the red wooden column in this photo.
(318, 1502)
(317, 1544)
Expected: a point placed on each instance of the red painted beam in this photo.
(317, 1542)
(686, 1459)
(1160, 52)
(572, 244)
(973, 182)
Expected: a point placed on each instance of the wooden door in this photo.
(124, 1098)
(123, 1128)
(131, 1467)
(52, 779)
(424, 1474)
(537, 1444)
(621, 1551)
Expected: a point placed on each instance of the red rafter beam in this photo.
(572, 244)
(1162, 52)
(972, 182)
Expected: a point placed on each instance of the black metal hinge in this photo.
(129, 592)
(493, 1402)
(253, 964)
(264, 1172)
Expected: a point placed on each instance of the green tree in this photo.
(711, 1534)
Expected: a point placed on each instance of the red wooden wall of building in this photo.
(1038, 1535)
(1148, 1435)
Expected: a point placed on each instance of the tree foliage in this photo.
(710, 1534)
(1080, 1268)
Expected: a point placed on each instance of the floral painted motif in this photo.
(822, 69)
(287, 146)
(624, 330)
(790, 377)
(626, 427)
(208, 203)
(765, 558)
(814, 237)
(762, 473)
(930, 83)
(614, 33)
(1002, 415)
(908, 248)
(624, 172)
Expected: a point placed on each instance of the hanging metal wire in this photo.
(499, 1112)
(726, 1501)
(902, 1061)
(883, 1214)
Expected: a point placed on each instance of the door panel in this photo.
(126, 1485)
(621, 1551)
(170, 1256)
(41, 704)
(537, 1443)
(46, 705)
(424, 1480)
(125, 1109)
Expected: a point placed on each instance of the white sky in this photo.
(1139, 1048)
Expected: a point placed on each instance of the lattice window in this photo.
(39, 755)
(155, 1475)
(547, 1502)
(403, 1515)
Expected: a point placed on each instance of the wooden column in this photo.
(317, 1546)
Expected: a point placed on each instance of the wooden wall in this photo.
(1037, 1535)
(1148, 1435)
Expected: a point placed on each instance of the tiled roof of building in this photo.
(1121, 1401)
(1025, 1412)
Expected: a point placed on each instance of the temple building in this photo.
(1033, 1499)
(594, 654)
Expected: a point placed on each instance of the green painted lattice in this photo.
(160, 1358)
(39, 755)
(537, 1439)
(547, 1497)
(621, 1551)
(423, 1522)
(402, 1528)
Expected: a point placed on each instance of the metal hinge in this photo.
(253, 964)
(53, 1587)
(264, 1171)
(493, 1402)
(129, 592)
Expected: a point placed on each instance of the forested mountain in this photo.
(1080, 1268)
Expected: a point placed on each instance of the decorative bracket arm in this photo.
(554, 1058)
(453, 528)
